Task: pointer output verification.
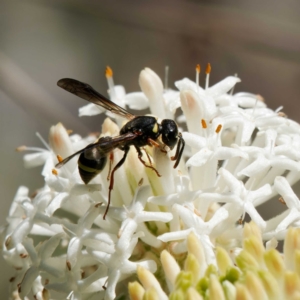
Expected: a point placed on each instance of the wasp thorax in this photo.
(169, 133)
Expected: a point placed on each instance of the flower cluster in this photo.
(239, 154)
(260, 272)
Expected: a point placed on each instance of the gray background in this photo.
(43, 41)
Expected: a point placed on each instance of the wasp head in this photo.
(169, 133)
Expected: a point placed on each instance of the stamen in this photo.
(207, 72)
(219, 128)
(108, 72)
(69, 131)
(54, 172)
(166, 77)
(110, 81)
(203, 123)
(59, 158)
(43, 141)
(25, 148)
(198, 69)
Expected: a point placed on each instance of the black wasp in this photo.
(139, 131)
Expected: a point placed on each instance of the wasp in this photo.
(139, 131)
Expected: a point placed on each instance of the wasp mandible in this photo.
(139, 131)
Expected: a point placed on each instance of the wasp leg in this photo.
(111, 159)
(111, 183)
(149, 159)
(157, 145)
(140, 154)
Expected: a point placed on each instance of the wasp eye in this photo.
(169, 133)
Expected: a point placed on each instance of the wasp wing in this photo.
(86, 92)
(105, 144)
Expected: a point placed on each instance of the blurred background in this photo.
(43, 41)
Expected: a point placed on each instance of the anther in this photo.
(140, 183)
(198, 69)
(207, 72)
(208, 69)
(219, 128)
(203, 123)
(21, 148)
(281, 200)
(54, 172)
(108, 72)
(59, 158)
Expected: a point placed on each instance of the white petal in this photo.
(154, 216)
(223, 86)
(223, 153)
(56, 203)
(200, 158)
(283, 188)
(27, 281)
(35, 159)
(74, 250)
(152, 87)
(259, 165)
(292, 216)
(174, 236)
(194, 140)
(90, 110)
(137, 100)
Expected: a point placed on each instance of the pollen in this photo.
(54, 172)
(203, 123)
(208, 69)
(108, 72)
(219, 128)
(198, 69)
(69, 131)
(59, 158)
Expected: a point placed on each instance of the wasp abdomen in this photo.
(90, 163)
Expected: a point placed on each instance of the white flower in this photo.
(196, 224)
(238, 155)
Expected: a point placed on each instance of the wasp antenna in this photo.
(182, 145)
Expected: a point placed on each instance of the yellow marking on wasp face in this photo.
(86, 168)
(155, 128)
